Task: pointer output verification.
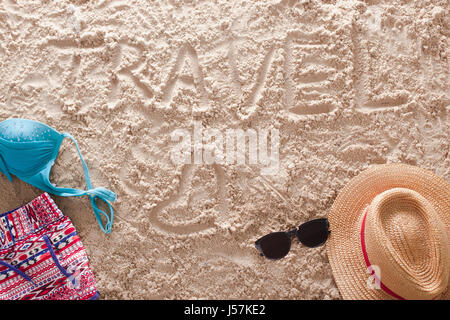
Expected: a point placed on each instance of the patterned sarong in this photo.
(41, 255)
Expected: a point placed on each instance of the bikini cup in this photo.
(28, 150)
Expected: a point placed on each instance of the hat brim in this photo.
(345, 218)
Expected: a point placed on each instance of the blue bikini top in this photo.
(28, 150)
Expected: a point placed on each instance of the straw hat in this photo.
(394, 218)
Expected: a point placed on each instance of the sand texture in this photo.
(347, 84)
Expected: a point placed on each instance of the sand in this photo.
(347, 83)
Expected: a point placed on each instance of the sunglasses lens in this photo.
(274, 245)
(313, 233)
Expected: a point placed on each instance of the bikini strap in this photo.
(101, 193)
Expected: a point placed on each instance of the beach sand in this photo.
(347, 84)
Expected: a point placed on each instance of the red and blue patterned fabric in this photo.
(41, 255)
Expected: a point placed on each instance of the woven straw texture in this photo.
(407, 233)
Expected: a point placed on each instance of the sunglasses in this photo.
(277, 245)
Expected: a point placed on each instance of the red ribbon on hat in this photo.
(366, 258)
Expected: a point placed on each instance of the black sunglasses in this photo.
(276, 245)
